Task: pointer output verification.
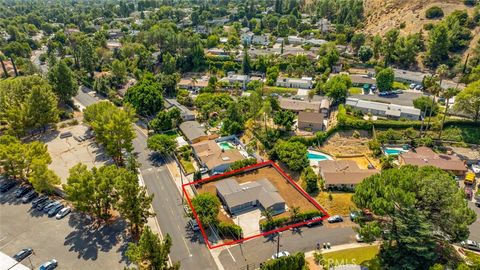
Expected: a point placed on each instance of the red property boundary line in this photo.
(250, 168)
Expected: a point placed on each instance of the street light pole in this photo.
(278, 245)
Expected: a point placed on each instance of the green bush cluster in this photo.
(268, 225)
(242, 163)
(292, 262)
(434, 12)
(229, 229)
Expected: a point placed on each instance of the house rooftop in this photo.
(236, 194)
(310, 117)
(212, 155)
(299, 105)
(192, 130)
(424, 156)
(343, 172)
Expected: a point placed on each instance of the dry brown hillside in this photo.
(383, 15)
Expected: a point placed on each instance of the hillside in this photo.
(383, 15)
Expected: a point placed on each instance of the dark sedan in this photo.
(22, 254)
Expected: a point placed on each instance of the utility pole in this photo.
(278, 245)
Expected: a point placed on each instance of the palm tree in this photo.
(447, 95)
(441, 71)
(433, 87)
(294, 213)
(267, 213)
(266, 110)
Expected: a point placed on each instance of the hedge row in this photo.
(292, 262)
(242, 163)
(229, 229)
(283, 221)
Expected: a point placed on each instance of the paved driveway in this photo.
(249, 222)
(72, 241)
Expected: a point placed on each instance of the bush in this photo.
(267, 225)
(434, 12)
(292, 262)
(310, 178)
(374, 145)
(242, 163)
(425, 104)
(229, 229)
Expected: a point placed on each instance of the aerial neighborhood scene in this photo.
(240, 134)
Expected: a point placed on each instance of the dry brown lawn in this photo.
(288, 192)
(341, 203)
(363, 161)
(344, 144)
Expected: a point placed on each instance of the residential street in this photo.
(166, 203)
(258, 250)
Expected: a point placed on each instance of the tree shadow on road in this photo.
(88, 239)
(9, 197)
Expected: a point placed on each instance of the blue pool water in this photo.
(316, 156)
(393, 151)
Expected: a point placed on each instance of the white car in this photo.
(63, 212)
(476, 168)
(280, 254)
(470, 244)
(359, 238)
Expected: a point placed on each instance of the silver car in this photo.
(63, 212)
(470, 244)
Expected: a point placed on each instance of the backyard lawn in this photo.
(364, 256)
(279, 90)
(187, 165)
(355, 91)
(341, 203)
(399, 85)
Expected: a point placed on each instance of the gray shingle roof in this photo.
(192, 130)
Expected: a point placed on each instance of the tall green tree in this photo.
(447, 95)
(311, 180)
(418, 212)
(385, 79)
(337, 87)
(206, 206)
(438, 44)
(162, 143)
(27, 102)
(113, 128)
(150, 253)
(293, 154)
(146, 96)
(119, 72)
(284, 119)
(42, 178)
(246, 65)
(468, 100)
(134, 203)
(63, 81)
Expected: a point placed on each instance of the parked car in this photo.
(193, 224)
(6, 186)
(314, 221)
(412, 86)
(280, 254)
(22, 254)
(470, 244)
(335, 219)
(21, 191)
(47, 208)
(52, 264)
(65, 135)
(29, 196)
(42, 205)
(419, 88)
(397, 91)
(364, 215)
(39, 200)
(54, 210)
(373, 88)
(359, 238)
(384, 94)
(63, 212)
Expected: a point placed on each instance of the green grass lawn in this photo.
(355, 90)
(279, 90)
(399, 85)
(187, 165)
(365, 256)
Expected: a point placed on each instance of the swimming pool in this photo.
(317, 156)
(393, 151)
(226, 145)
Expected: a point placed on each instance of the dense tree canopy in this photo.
(418, 212)
(468, 100)
(27, 103)
(293, 154)
(146, 96)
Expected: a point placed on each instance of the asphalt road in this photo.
(475, 227)
(188, 248)
(405, 99)
(258, 250)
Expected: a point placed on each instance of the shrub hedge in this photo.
(283, 221)
(229, 229)
(292, 262)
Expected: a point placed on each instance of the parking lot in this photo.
(73, 241)
(405, 99)
(67, 152)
